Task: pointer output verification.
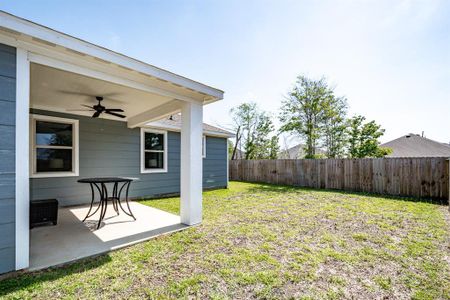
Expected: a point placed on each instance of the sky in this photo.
(390, 59)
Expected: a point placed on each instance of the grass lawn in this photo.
(264, 241)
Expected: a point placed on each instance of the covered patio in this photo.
(71, 239)
(104, 146)
(57, 79)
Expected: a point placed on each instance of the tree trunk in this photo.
(238, 138)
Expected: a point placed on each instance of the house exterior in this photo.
(415, 145)
(47, 143)
(109, 147)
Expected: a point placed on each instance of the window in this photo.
(153, 151)
(54, 143)
(204, 146)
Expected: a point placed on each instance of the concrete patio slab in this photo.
(72, 239)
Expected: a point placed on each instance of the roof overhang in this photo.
(48, 44)
(155, 125)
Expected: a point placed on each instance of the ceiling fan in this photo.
(99, 109)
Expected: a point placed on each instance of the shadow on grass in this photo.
(268, 187)
(24, 281)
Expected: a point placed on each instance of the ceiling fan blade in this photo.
(87, 106)
(114, 109)
(114, 114)
(96, 114)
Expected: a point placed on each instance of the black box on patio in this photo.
(43, 212)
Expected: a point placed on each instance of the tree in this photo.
(306, 110)
(274, 148)
(230, 149)
(334, 127)
(363, 138)
(254, 129)
(238, 142)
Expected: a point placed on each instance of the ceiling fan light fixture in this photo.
(99, 109)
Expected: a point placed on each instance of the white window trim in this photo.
(143, 169)
(75, 147)
(204, 146)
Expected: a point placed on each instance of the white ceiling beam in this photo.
(156, 113)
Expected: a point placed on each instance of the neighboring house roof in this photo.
(297, 151)
(414, 145)
(174, 123)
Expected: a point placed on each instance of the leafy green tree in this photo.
(310, 109)
(274, 148)
(364, 138)
(254, 128)
(335, 127)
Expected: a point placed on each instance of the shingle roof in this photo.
(413, 145)
(174, 122)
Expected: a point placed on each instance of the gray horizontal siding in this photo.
(7, 259)
(7, 61)
(215, 163)
(8, 109)
(7, 184)
(8, 88)
(9, 239)
(7, 157)
(109, 148)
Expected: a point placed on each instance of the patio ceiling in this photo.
(58, 90)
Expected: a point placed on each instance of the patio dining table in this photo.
(119, 184)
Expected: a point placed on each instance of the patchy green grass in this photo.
(264, 241)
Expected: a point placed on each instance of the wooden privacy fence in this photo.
(413, 177)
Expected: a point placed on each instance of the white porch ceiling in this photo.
(62, 91)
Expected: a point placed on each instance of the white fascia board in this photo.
(29, 28)
(178, 129)
(217, 134)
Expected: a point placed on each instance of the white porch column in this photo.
(191, 172)
(22, 159)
